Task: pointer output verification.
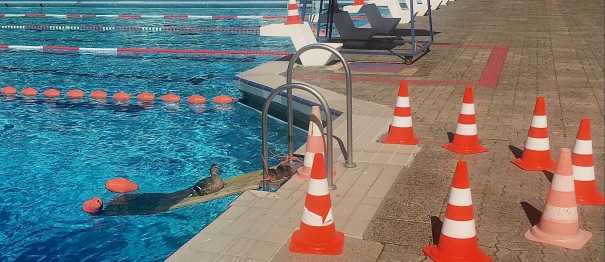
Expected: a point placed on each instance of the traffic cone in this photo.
(317, 233)
(583, 167)
(401, 130)
(315, 144)
(559, 224)
(536, 155)
(293, 15)
(359, 2)
(466, 140)
(458, 239)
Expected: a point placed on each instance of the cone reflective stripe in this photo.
(293, 15)
(401, 130)
(582, 164)
(315, 143)
(536, 154)
(559, 225)
(466, 140)
(317, 233)
(458, 239)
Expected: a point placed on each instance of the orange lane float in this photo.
(121, 96)
(223, 99)
(8, 90)
(75, 94)
(171, 98)
(196, 99)
(28, 91)
(93, 205)
(98, 94)
(146, 97)
(121, 185)
(51, 93)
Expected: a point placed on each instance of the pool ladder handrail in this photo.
(289, 86)
(349, 100)
(324, 104)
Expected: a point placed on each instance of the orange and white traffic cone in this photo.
(401, 130)
(466, 140)
(317, 233)
(559, 225)
(582, 164)
(293, 15)
(315, 143)
(536, 154)
(458, 239)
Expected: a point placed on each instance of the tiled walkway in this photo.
(555, 49)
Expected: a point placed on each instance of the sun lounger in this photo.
(347, 30)
(395, 9)
(382, 25)
(302, 35)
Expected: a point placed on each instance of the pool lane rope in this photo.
(52, 93)
(121, 50)
(111, 28)
(137, 16)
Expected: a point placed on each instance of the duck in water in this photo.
(208, 185)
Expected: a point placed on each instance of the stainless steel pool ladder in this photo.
(289, 86)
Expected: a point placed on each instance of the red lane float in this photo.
(75, 94)
(223, 99)
(121, 96)
(145, 97)
(8, 90)
(98, 94)
(172, 98)
(51, 93)
(121, 185)
(29, 91)
(196, 99)
(93, 205)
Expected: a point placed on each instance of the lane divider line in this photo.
(111, 28)
(121, 50)
(168, 16)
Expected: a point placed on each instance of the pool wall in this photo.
(255, 95)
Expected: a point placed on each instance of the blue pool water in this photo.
(57, 154)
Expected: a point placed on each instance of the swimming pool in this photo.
(58, 153)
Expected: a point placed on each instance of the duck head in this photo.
(215, 169)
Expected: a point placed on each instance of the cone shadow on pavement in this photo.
(436, 225)
(532, 213)
(517, 152)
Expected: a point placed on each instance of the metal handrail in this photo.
(349, 97)
(324, 103)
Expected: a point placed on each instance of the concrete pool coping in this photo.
(257, 225)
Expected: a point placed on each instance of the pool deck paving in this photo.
(393, 203)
